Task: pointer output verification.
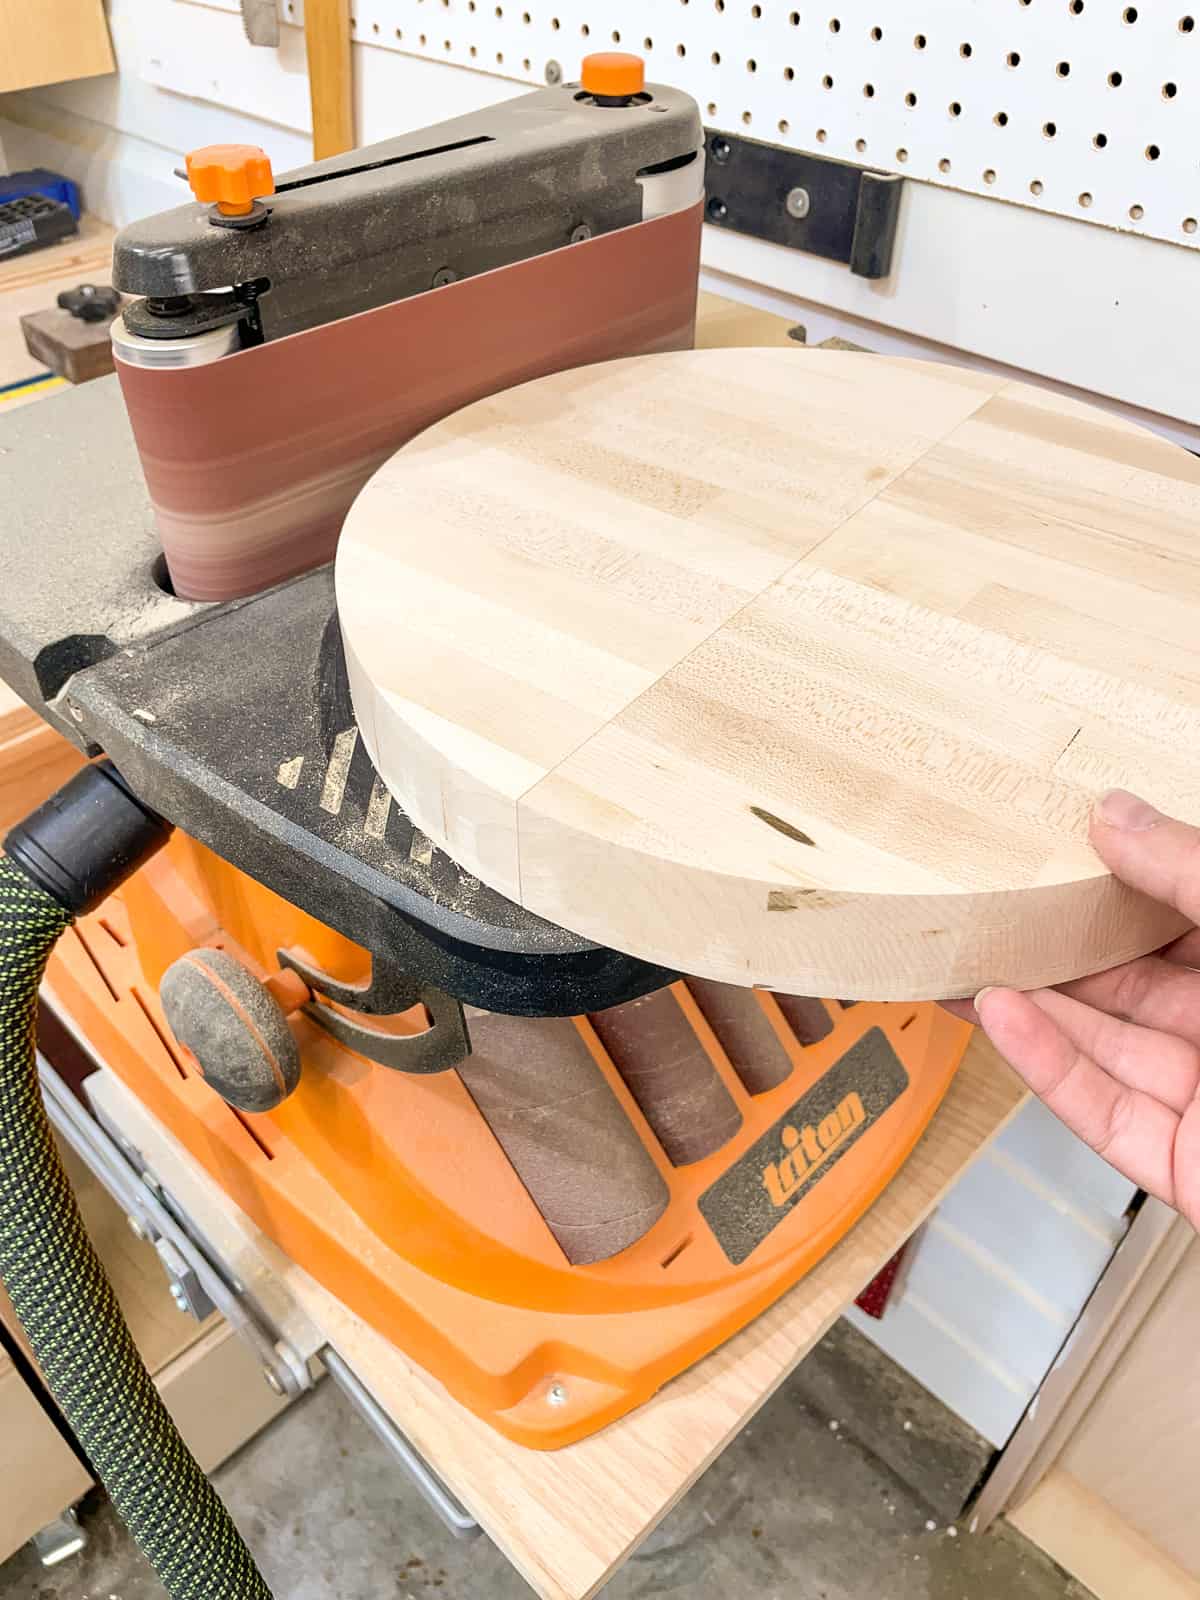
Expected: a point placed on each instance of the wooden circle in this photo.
(793, 668)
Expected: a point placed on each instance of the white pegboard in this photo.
(1086, 108)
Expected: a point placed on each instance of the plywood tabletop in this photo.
(567, 1519)
(796, 669)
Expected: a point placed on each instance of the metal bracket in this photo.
(444, 1044)
(812, 203)
(59, 1539)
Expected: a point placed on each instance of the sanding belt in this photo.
(252, 460)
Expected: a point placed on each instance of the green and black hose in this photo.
(61, 861)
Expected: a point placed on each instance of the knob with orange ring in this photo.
(233, 176)
(613, 78)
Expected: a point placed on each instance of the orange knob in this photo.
(612, 75)
(234, 175)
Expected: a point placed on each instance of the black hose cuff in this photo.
(86, 839)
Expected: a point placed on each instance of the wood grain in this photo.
(793, 668)
(567, 1519)
(1138, 1447)
(330, 82)
(1089, 1540)
(50, 41)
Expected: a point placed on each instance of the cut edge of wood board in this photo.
(567, 1519)
(1086, 1537)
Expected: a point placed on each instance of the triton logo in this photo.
(808, 1148)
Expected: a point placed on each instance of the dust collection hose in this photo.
(62, 860)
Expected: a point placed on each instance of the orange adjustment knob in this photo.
(234, 175)
(613, 75)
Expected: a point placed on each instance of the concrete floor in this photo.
(793, 1510)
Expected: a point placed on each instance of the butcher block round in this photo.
(791, 668)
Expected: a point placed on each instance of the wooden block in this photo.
(331, 90)
(30, 283)
(797, 670)
(50, 41)
(76, 350)
(567, 1519)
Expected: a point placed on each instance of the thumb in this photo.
(1148, 851)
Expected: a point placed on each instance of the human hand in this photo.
(1117, 1056)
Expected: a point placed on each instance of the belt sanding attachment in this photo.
(566, 1134)
(233, 1026)
(667, 1071)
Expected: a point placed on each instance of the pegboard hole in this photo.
(1063, 69)
(681, 50)
(902, 155)
(747, 118)
(1170, 90)
(1085, 199)
(910, 99)
(1129, 15)
(783, 125)
(1137, 213)
(919, 41)
(555, 24)
(1001, 119)
(1186, 24)
(821, 136)
(752, 66)
(374, 27)
(965, 50)
(834, 25)
(711, 108)
(1099, 140)
(1189, 224)
(860, 145)
(788, 74)
(715, 58)
(869, 91)
(1050, 129)
(1013, 58)
(1076, 8)
(955, 108)
(827, 82)
(1152, 152)
(989, 175)
(527, 64)
(944, 164)
(1036, 186)
(499, 58)
(877, 34)
(756, 12)
(647, 44)
(616, 36)
(794, 19)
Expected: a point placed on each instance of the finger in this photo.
(1153, 992)
(1185, 952)
(1157, 1064)
(1149, 851)
(1132, 1131)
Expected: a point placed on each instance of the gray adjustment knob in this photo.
(233, 1026)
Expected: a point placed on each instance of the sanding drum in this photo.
(565, 1131)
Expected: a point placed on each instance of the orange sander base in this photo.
(397, 1194)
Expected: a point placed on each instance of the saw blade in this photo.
(260, 20)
